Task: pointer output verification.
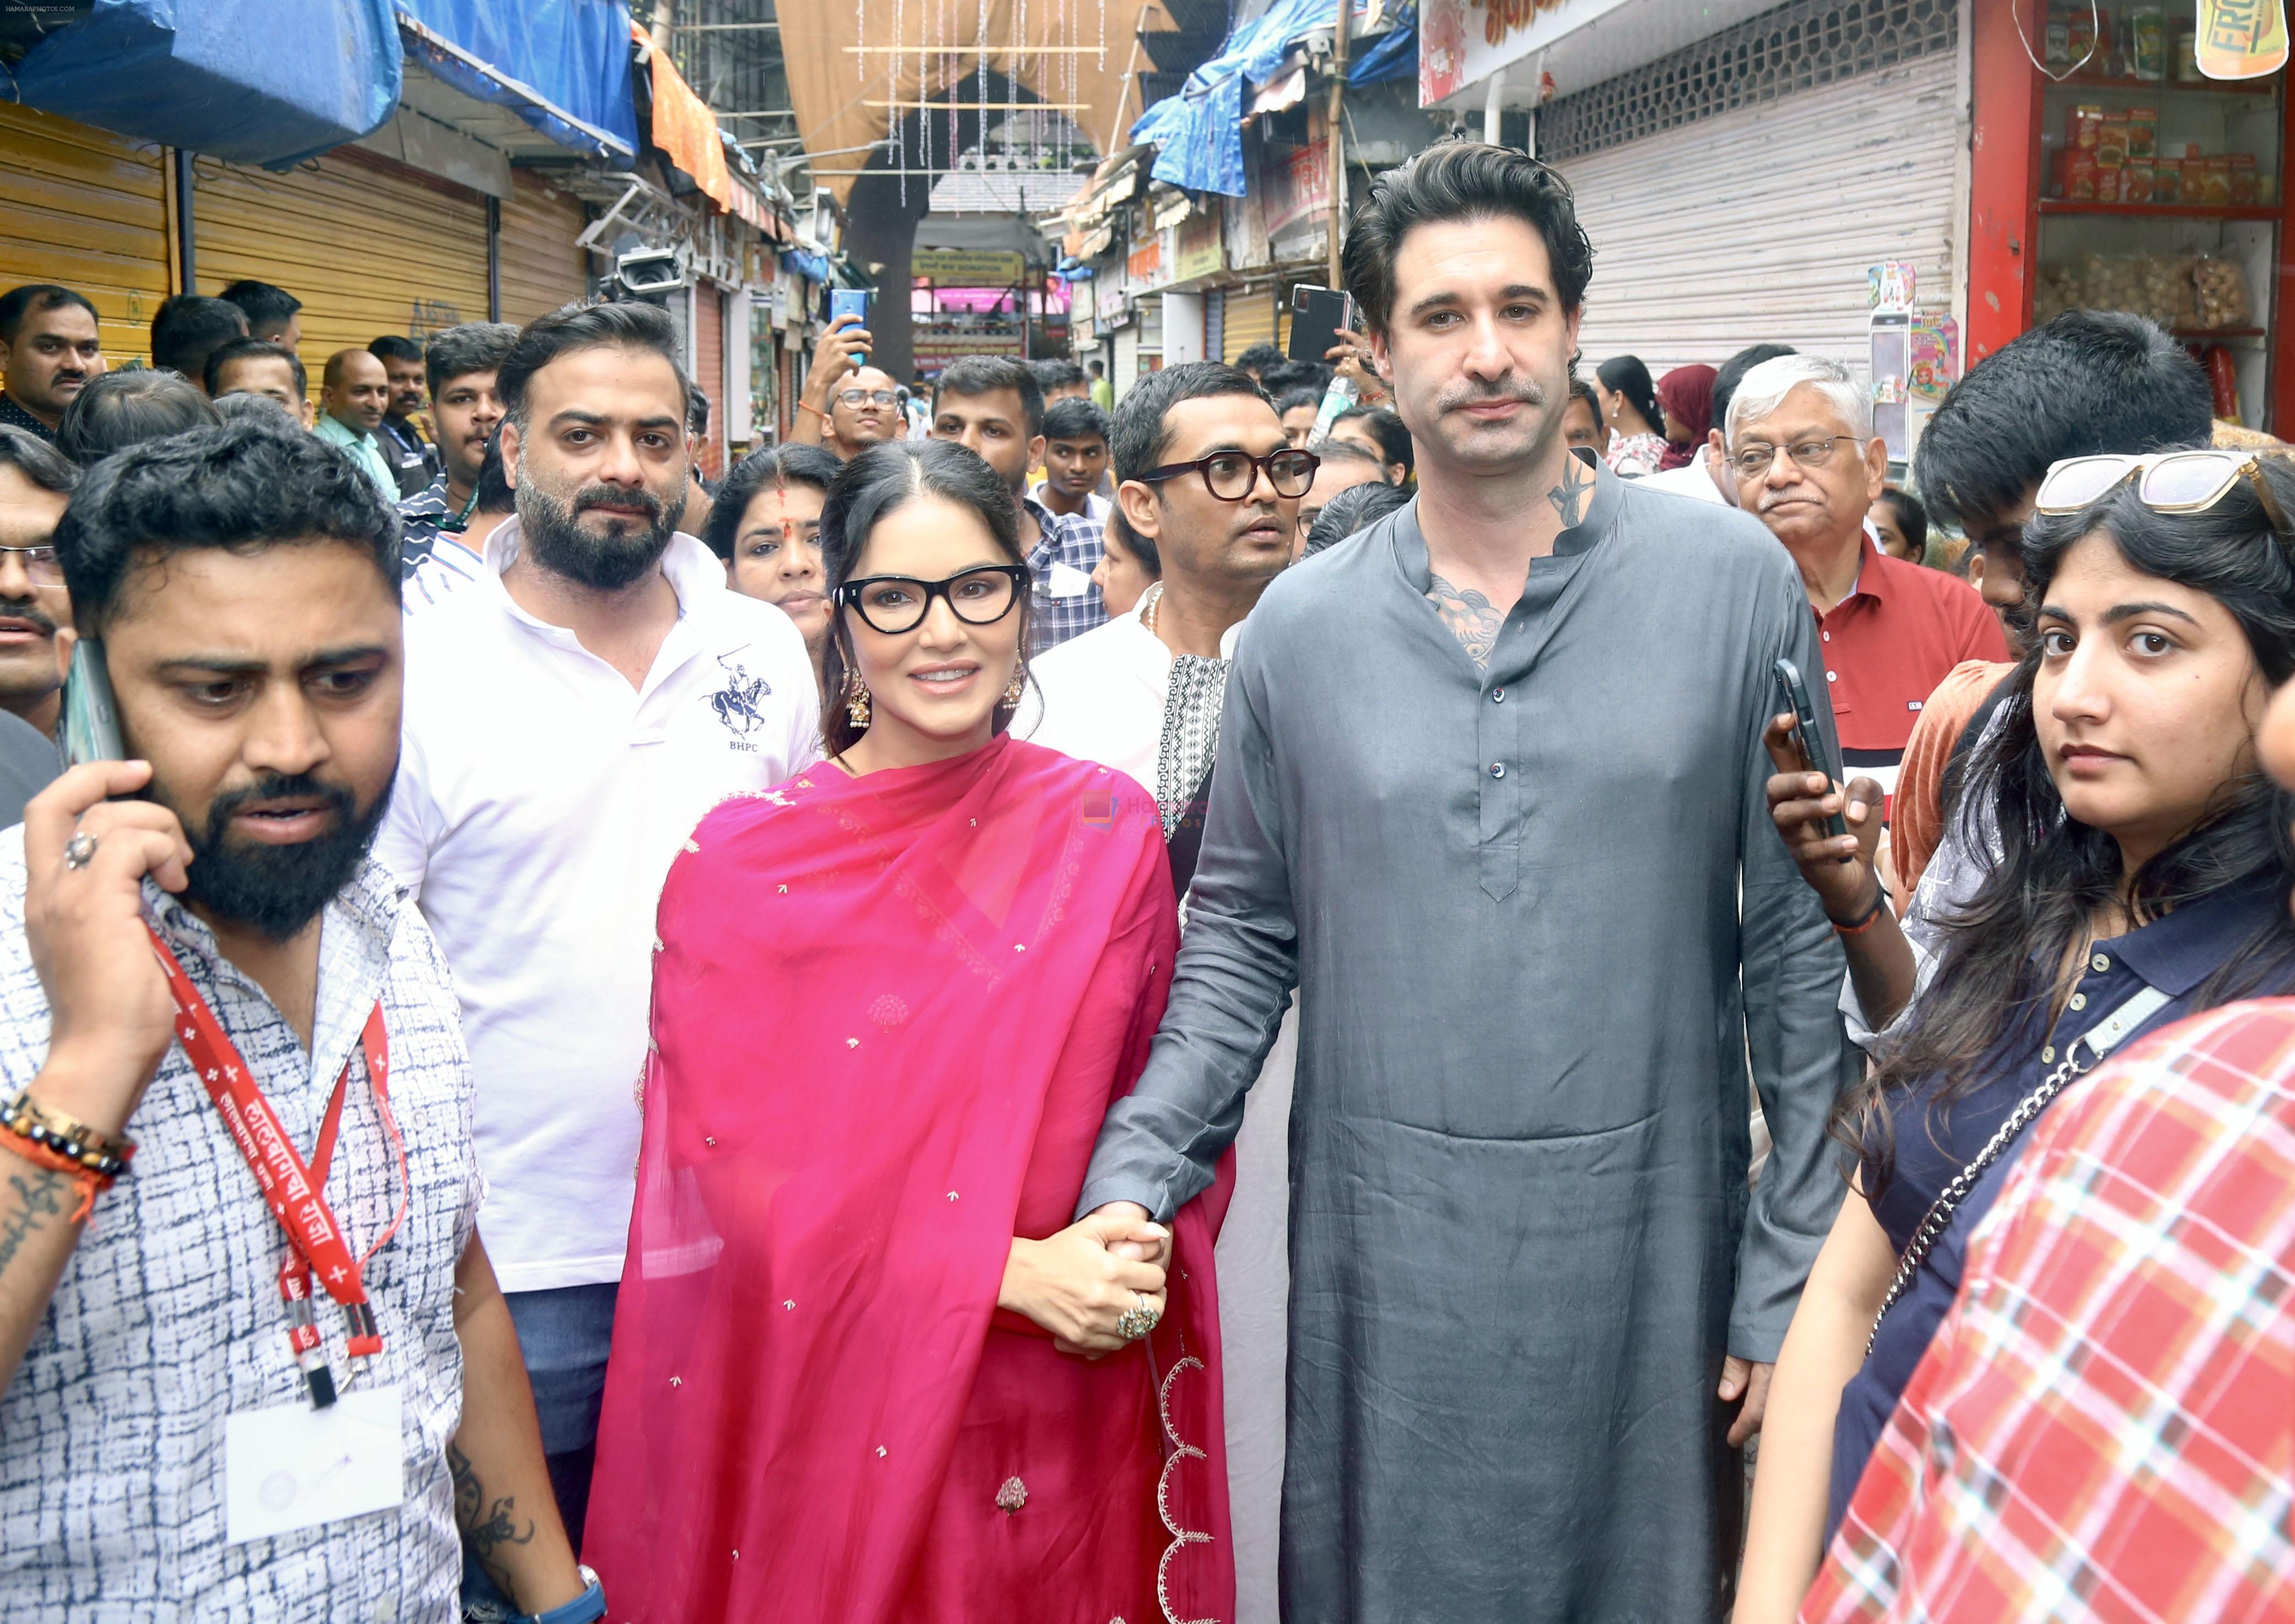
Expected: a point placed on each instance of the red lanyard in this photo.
(296, 1190)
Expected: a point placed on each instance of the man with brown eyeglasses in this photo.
(1807, 464)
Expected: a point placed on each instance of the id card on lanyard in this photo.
(294, 1190)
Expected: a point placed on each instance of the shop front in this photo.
(2118, 177)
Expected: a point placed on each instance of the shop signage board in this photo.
(1200, 252)
(1298, 183)
(938, 350)
(1464, 42)
(966, 268)
(1143, 267)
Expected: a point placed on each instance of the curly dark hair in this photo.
(1462, 181)
(240, 487)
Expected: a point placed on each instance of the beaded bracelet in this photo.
(88, 1149)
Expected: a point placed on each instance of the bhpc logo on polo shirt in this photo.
(736, 702)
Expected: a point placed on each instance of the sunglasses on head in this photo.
(2166, 482)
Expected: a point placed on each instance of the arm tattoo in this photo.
(1473, 619)
(39, 1197)
(1572, 496)
(495, 1526)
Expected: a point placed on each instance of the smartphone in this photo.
(848, 301)
(91, 718)
(1806, 738)
(1318, 316)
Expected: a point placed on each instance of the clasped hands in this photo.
(1080, 1283)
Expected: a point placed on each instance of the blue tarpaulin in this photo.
(813, 267)
(254, 81)
(561, 65)
(1392, 55)
(1198, 134)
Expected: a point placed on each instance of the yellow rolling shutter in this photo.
(370, 246)
(541, 266)
(1250, 320)
(87, 209)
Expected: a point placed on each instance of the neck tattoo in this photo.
(1571, 497)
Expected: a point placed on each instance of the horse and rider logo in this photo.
(736, 702)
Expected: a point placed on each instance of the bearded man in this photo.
(570, 714)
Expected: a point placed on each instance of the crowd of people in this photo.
(1255, 1000)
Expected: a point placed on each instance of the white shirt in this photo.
(540, 801)
(1692, 478)
(1103, 694)
(167, 1320)
(1095, 505)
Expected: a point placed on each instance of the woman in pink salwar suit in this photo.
(890, 1011)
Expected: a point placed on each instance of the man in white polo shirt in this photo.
(570, 715)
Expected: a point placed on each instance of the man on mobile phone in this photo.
(192, 939)
(1491, 796)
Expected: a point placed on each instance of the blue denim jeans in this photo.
(565, 1335)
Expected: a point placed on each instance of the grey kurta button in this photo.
(1498, 769)
(1498, 696)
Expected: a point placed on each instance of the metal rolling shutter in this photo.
(87, 209)
(1247, 318)
(370, 246)
(1215, 323)
(541, 266)
(709, 371)
(1757, 225)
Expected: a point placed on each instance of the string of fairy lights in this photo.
(934, 58)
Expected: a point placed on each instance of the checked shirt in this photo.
(168, 1318)
(2104, 1426)
(1075, 541)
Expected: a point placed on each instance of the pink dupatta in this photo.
(889, 1014)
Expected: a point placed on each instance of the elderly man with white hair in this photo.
(1802, 452)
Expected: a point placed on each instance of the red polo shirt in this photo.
(1887, 645)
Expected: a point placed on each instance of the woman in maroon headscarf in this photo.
(1685, 394)
(893, 1000)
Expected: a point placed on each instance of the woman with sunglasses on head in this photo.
(2141, 874)
(865, 1369)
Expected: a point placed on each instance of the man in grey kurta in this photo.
(1522, 1238)
(1491, 793)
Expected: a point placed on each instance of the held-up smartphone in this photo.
(1806, 738)
(849, 301)
(1318, 316)
(91, 719)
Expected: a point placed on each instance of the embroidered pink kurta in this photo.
(889, 1015)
